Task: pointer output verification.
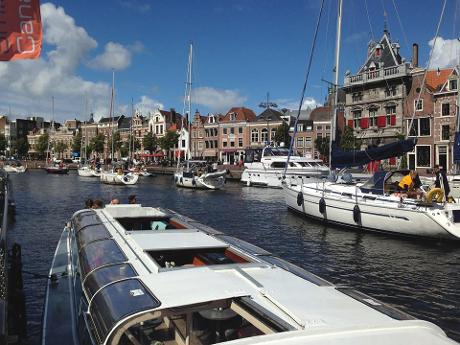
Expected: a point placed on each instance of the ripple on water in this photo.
(418, 277)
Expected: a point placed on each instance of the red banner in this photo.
(20, 29)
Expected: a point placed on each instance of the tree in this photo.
(150, 142)
(3, 143)
(76, 143)
(322, 146)
(348, 141)
(97, 143)
(42, 144)
(22, 147)
(282, 134)
(60, 147)
(169, 141)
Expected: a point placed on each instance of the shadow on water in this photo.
(419, 277)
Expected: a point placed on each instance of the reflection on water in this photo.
(419, 277)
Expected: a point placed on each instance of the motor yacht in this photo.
(14, 167)
(200, 175)
(266, 168)
(128, 274)
(118, 177)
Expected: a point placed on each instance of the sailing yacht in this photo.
(54, 167)
(195, 173)
(116, 175)
(85, 169)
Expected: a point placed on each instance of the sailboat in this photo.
(116, 176)
(195, 173)
(376, 205)
(85, 169)
(50, 167)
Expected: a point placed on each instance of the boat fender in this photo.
(435, 193)
(300, 199)
(125, 178)
(193, 182)
(322, 206)
(357, 214)
(181, 180)
(248, 183)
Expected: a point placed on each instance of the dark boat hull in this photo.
(59, 171)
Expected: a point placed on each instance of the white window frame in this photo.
(254, 135)
(415, 104)
(418, 128)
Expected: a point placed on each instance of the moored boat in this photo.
(14, 167)
(128, 274)
(58, 169)
(118, 177)
(199, 174)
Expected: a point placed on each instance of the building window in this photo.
(445, 109)
(240, 130)
(207, 144)
(240, 142)
(418, 105)
(307, 141)
(373, 117)
(299, 142)
(264, 135)
(224, 143)
(391, 110)
(254, 136)
(300, 128)
(232, 116)
(420, 127)
(445, 132)
(319, 135)
(183, 144)
(273, 133)
(319, 128)
(356, 118)
(232, 130)
(328, 128)
(200, 146)
(232, 143)
(390, 91)
(423, 153)
(453, 84)
(357, 97)
(224, 130)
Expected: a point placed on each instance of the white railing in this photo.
(376, 75)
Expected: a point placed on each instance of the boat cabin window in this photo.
(196, 257)
(252, 156)
(278, 165)
(118, 300)
(100, 253)
(92, 233)
(105, 275)
(149, 223)
(204, 324)
(85, 218)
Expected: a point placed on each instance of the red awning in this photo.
(151, 155)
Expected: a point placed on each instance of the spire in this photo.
(385, 23)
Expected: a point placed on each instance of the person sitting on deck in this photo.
(410, 184)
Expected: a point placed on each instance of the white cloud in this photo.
(115, 56)
(308, 102)
(445, 54)
(28, 85)
(146, 105)
(217, 100)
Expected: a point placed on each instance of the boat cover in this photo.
(347, 159)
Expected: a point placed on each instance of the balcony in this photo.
(377, 75)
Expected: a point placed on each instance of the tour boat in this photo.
(267, 170)
(376, 205)
(14, 167)
(118, 177)
(128, 274)
(198, 174)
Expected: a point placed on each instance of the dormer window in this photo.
(378, 52)
(232, 116)
(212, 119)
(453, 85)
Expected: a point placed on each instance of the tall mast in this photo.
(187, 108)
(48, 156)
(111, 115)
(130, 138)
(336, 81)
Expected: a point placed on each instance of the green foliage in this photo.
(89, 149)
(348, 141)
(150, 142)
(124, 150)
(117, 143)
(22, 147)
(60, 147)
(282, 134)
(97, 143)
(42, 144)
(322, 146)
(169, 141)
(3, 142)
(76, 142)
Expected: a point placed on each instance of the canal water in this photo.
(419, 277)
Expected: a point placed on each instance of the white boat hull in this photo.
(118, 179)
(11, 169)
(85, 172)
(382, 216)
(206, 181)
(273, 178)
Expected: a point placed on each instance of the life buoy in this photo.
(436, 193)
(322, 206)
(300, 199)
(357, 214)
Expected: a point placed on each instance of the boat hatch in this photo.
(85, 218)
(196, 257)
(300, 272)
(92, 233)
(116, 301)
(100, 253)
(105, 275)
(149, 223)
(205, 323)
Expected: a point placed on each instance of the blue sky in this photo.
(243, 49)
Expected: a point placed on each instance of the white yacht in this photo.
(128, 274)
(118, 177)
(14, 167)
(199, 174)
(375, 206)
(266, 167)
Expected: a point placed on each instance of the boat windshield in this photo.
(278, 151)
(105, 275)
(375, 184)
(100, 253)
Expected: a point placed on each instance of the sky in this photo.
(243, 49)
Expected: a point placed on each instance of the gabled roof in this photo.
(270, 114)
(436, 79)
(125, 123)
(242, 114)
(107, 119)
(321, 114)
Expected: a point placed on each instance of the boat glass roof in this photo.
(117, 301)
(105, 275)
(85, 218)
(100, 253)
(92, 233)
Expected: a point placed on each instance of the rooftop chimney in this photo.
(415, 55)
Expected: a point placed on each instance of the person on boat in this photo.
(411, 184)
(132, 199)
(89, 203)
(441, 180)
(97, 204)
(115, 202)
